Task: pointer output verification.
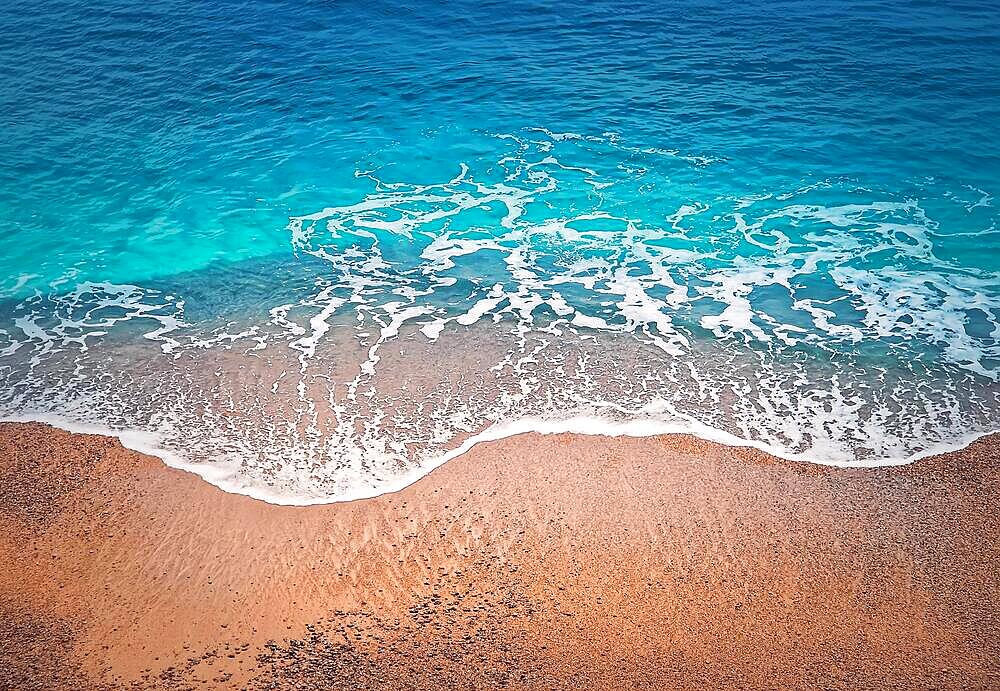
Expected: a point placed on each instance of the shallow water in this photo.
(311, 251)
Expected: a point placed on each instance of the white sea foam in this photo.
(523, 294)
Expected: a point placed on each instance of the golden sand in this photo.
(532, 562)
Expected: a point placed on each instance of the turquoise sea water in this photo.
(309, 250)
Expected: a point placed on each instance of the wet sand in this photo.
(532, 562)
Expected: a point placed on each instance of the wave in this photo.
(559, 282)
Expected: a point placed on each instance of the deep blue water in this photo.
(775, 221)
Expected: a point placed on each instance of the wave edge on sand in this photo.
(227, 480)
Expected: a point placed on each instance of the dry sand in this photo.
(533, 562)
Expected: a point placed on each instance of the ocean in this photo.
(313, 250)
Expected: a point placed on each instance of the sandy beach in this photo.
(543, 346)
(533, 562)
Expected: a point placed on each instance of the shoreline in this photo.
(149, 444)
(560, 561)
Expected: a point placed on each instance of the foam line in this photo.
(150, 444)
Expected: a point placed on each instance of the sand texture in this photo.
(535, 562)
